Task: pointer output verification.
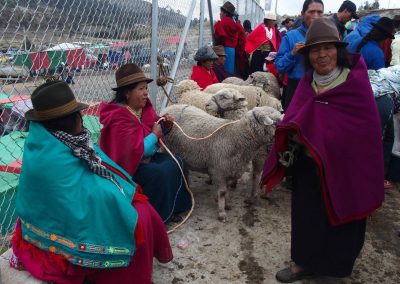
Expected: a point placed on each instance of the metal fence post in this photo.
(179, 52)
(211, 19)
(154, 52)
(201, 35)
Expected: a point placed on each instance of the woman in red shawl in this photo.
(260, 42)
(330, 138)
(130, 137)
(226, 34)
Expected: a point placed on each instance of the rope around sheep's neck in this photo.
(208, 136)
(181, 170)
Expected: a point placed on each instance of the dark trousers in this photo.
(289, 92)
(385, 107)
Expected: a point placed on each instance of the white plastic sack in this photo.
(396, 145)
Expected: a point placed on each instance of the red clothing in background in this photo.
(203, 77)
(259, 36)
(242, 62)
(226, 32)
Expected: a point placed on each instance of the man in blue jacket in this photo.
(288, 60)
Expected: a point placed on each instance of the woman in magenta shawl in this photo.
(130, 137)
(330, 139)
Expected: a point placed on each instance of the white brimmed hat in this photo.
(269, 15)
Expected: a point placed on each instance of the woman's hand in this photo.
(296, 48)
(169, 117)
(157, 129)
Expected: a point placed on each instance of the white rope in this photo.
(208, 136)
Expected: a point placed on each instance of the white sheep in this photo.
(258, 160)
(226, 154)
(230, 103)
(265, 80)
(255, 95)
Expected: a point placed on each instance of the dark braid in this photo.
(375, 34)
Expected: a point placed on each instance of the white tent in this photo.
(64, 46)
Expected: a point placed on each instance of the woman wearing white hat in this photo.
(260, 42)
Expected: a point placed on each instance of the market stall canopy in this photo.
(64, 46)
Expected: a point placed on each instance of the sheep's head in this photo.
(224, 100)
(262, 121)
(186, 86)
(267, 81)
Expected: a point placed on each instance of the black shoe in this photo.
(287, 276)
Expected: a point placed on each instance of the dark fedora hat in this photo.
(321, 30)
(53, 99)
(229, 8)
(129, 74)
(385, 25)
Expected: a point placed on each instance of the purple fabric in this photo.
(341, 130)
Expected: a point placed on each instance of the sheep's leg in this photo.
(222, 189)
(255, 177)
(231, 184)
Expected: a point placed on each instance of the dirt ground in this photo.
(255, 241)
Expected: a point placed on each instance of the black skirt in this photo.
(316, 245)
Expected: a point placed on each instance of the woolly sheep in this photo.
(262, 152)
(230, 101)
(265, 80)
(226, 154)
(255, 96)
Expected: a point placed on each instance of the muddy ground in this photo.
(255, 241)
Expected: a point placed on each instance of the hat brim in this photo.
(32, 114)
(390, 35)
(148, 80)
(305, 48)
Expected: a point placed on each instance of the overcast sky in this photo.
(293, 7)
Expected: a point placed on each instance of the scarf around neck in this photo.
(82, 148)
(324, 80)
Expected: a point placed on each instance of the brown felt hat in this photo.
(219, 50)
(129, 74)
(322, 30)
(53, 99)
(228, 7)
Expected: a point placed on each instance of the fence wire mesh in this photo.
(83, 42)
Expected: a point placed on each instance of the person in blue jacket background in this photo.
(368, 45)
(288, 60)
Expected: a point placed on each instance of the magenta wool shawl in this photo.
(122, 135)
(340, 128)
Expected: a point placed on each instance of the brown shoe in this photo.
(288, 276)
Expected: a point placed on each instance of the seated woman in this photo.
(130, 137)
(80, 215)
(203, 73)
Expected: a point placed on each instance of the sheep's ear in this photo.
(268, 121)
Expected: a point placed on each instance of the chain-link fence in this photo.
(83, 42)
